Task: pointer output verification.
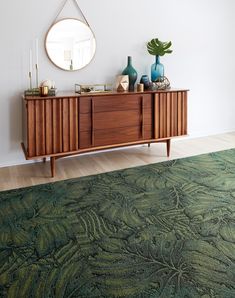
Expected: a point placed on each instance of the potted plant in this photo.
(158, 48)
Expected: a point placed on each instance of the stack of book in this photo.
(36, 92)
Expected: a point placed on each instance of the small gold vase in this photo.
(140, 87)
(44, 90)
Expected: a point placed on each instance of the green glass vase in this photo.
(131, 72)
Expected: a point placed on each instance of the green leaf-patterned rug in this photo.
(161, 230)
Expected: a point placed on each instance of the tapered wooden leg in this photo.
(52, 166)
(148, 144)
(44, 160)
(168, 147)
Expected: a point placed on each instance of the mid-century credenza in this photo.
(70, 123)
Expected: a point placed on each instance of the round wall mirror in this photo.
(70, 44)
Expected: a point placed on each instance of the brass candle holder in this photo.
(140, 87)
(44, 90)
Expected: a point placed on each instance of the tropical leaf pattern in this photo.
(161, 230)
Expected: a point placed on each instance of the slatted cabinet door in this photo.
(52, 126)
(170, 117)
(36, 128)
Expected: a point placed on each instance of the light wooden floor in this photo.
(83, 165)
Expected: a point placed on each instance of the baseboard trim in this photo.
(209, 134)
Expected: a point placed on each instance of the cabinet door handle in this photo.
(142, 112)
(92, 122)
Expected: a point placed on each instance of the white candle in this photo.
(30, 61)
(36, 45)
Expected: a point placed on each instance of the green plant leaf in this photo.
(158, 48)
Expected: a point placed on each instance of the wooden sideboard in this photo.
(70, 124)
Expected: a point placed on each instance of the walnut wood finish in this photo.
(170, 114)
(122, 135)
(52, 126)
(61, 126)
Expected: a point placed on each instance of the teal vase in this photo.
(131, 72)
(157, 70)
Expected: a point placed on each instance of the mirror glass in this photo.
(70, 44)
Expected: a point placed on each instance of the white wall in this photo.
(203, 58)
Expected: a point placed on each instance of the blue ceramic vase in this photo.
(131, 72)
(157, 70)
(145, 80)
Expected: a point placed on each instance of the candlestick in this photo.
(30, 80)
(36, 48)
(36, 66)
(30, 61)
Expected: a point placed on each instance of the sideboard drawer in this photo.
(103, 137)
(120, 135)
(118, 119)
(115, 119)
(121, 102)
